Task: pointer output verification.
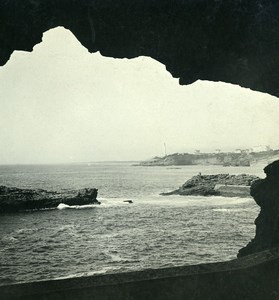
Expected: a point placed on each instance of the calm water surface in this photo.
(153, 232)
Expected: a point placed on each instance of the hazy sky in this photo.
(63, 104)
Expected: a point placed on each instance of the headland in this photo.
(240, 157)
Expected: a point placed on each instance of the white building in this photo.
(261, 148)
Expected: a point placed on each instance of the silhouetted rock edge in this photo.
(266, 194)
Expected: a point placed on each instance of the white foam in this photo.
(176, 200)
(227, 210)
(115, 257)
(8, 238)
(104, 270)
(62, 206)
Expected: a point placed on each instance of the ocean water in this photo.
(153, 232)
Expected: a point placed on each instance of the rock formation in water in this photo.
(230, 41)
(14, 199)
(266, 194)
(216, 185)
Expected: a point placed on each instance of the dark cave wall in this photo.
(234, 41)
(266, 194)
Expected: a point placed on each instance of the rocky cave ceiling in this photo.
(234, 41)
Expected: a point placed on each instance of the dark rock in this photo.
(128, 201)
(230, 41)
(14, 199)
(216, 185)
(266, 194)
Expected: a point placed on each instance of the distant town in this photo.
(238, 157)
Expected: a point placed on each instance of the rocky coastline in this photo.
(14, 199)
(216, 185)
(226, 159)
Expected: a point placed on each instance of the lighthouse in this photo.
(165, 147)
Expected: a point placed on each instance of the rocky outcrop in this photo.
(216, 185)
(230, 41)
(14, 199)
(266, 194)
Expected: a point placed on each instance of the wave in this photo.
(116, 258)
(227, 210)
(105, 202)
(66, 227)
(173, 201)
(8, 239)
(191, 201)
(62, 206)
(104, 270)
(26, 230)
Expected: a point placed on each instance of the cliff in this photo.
(216, 185)
(14, 199)
(266, 194)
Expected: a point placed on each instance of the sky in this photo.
(61, 104)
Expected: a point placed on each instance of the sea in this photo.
(152, 232)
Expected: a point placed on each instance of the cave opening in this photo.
(62, 105)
